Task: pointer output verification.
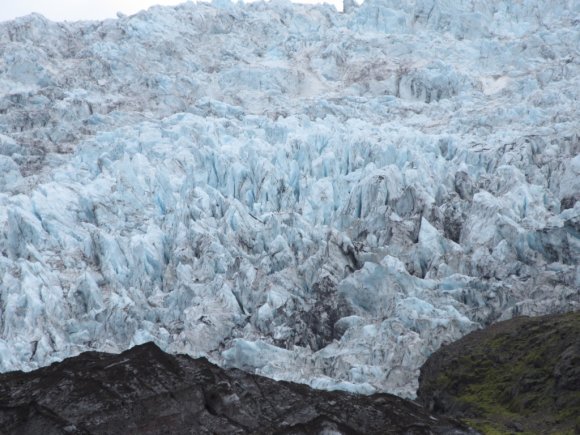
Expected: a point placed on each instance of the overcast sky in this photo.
(59, 10)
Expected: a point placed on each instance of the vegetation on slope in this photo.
(522, 375)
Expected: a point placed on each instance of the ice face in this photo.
(314, 196)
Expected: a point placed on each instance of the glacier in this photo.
(311, 195)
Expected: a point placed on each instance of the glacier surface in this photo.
(310, 195)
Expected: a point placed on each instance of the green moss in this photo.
(509, 378)
(485, 427)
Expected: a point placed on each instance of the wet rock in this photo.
(146, 391)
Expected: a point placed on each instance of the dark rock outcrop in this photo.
(521, 375)
(146, 391)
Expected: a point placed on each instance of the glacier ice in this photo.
(311, 195)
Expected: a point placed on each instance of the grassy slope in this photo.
(522, 374)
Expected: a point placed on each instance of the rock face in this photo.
(519, 375)
(309, 195)
(145, 391)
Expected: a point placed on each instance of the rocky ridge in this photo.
(521, 375)
(146, 391)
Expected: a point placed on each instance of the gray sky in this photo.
(59, 10)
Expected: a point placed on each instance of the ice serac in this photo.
(309, 195)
